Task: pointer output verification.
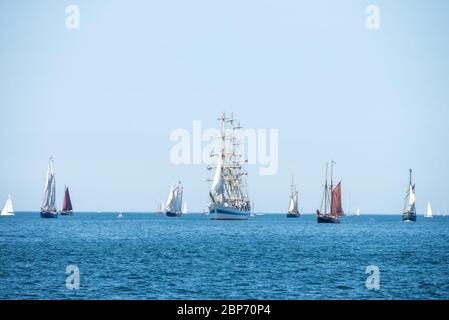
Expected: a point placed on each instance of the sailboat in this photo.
(160, 208)
(7, 210)
(293, 206)
(67, 209)
(120, 215)
(409, 209)
(332, 201)
(184, 208)
(358, 212)
(174, 201)
(48, 208)
(228, 197)
(429, 213)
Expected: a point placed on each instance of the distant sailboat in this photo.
(184, 208)
(160, 208)
(48, 208)
(253, 210)
(293, 206)
(429, 213)
(120, 215)
(332, 201)
(7, 210)
(67, 209)
(410, 210)
(174, 201)
(358, 212)
(228, 196)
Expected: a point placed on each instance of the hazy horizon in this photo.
(103, 100)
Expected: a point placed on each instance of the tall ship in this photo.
(174, 201)
(293, 206)
(409, 208)
(228, 191)
(48, 208)
(429, 213)
(67, 209)
(7, 210)
(331, 206)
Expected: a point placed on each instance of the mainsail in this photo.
(429, 213)
(49, 202)
(67, 204)
(184, 209)
(174, 201)
(7, 208)
(336, 209)
(293, 207)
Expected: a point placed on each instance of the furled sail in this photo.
(337, 209)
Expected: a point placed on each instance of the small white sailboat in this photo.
(174, 201)
(120, 215)
(358, 212)
(48, 208)
(293, 206)
(7, 210)
(184, 208)
(429, 213)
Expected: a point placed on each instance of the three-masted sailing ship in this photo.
(293, 206)
(48, 208)
(409, 208)
(429, 213)
(331, 206)
(174, 201)
(228, 196)
(7, 210)
(67, 209)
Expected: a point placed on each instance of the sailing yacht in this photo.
(184, 208)
(358, 212)
(48, 208)
(429, 213)
(7, 210)
(293, 206)
(409, 209)
(332, 201)
(160, 208)
(174, 201)
(67, 209)
(228, 197)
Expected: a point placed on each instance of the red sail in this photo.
(67, 205)
(337, 209)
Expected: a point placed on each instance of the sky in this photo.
(103, 100)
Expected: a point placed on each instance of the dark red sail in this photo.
(337, 209)
(67, 205)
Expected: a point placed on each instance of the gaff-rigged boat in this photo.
(48, 208)
(174, 201)
(67, 209)
(228, 197)
(293, 206)
(333, 209)
(409, 209)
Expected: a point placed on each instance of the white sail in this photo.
(184, 209)
(7, 208)
(174, 201)
(411, 197)
(216, 189)
(293, 208)
(170, 200)
(429, 213)
(49, 202)
(358, 212)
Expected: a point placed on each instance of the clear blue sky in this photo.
(103, 100)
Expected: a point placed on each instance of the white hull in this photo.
(7, 214)
(219, 212)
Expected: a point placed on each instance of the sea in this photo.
(151, 256)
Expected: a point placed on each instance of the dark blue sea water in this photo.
(149, 256)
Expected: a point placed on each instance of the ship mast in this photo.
(332, 185)
(325, 191)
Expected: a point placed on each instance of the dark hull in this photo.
(173, 214)
(327, 219)
(49, 214)
(293, 215)
(409, 217)
(66, 213)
